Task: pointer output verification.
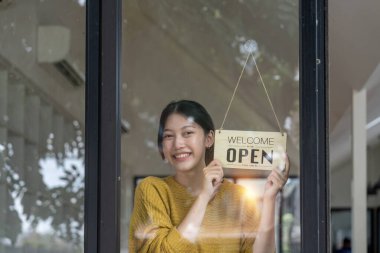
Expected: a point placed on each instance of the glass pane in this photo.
(354, 188)
(342, 230)
(196, 50)
(42, 66)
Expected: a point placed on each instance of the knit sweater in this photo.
(229, 224)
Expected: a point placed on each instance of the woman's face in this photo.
(184, 143)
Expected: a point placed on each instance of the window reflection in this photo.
(41, 126)
(341, 229)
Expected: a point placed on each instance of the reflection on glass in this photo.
(195, 50)
(41, 126)
(341, 230)
(290, 228)
(288, 233)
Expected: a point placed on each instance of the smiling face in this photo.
(184, 143)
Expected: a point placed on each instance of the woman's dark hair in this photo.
(191, 109)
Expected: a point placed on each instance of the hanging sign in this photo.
(249, 149)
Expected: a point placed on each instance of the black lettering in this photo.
(231, 155)
(268, 157)
(231, 139)
(242, 153)
(249, 140)
(253, 156)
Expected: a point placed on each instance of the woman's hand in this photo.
(277, 179)
(213, 178)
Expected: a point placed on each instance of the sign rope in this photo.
(265, 89)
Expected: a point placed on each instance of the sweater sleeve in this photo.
(151, 229)
(251, 221)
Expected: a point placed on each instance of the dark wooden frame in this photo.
(103, 131)
(314, 175)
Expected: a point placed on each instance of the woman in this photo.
(196, 210)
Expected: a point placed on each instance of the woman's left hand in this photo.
(277, 179)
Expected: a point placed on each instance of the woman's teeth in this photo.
(182, 155)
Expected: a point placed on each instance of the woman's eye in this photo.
(167, 136)
(188, 133)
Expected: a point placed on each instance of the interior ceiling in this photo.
(354, 39)
(354, 63)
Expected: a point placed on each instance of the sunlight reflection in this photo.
(254, 188)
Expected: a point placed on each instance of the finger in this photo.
(217, 185)
(214, 175)
(215, 162)
(277, 180)
(214, 180)
(287, 164)
(283, 167)
(214, 171)
(215, 168)
(212, 168)
(280, 174)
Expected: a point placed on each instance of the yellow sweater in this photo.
(160, 205)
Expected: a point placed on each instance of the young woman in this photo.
(196, 210)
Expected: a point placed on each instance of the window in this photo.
(42, 71)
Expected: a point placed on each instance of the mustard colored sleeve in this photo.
(151, 229)
(251, 221)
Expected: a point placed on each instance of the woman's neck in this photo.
(192, 180)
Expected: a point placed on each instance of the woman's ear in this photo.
(210, 137)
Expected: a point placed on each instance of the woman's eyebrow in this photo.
(186, 126)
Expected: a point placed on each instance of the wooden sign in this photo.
(249, 149)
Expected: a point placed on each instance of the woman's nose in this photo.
(179, 142)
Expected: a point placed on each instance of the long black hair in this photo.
(188, 109)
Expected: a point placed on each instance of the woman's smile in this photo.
(182, 156)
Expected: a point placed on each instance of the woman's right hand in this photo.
(213, 178)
